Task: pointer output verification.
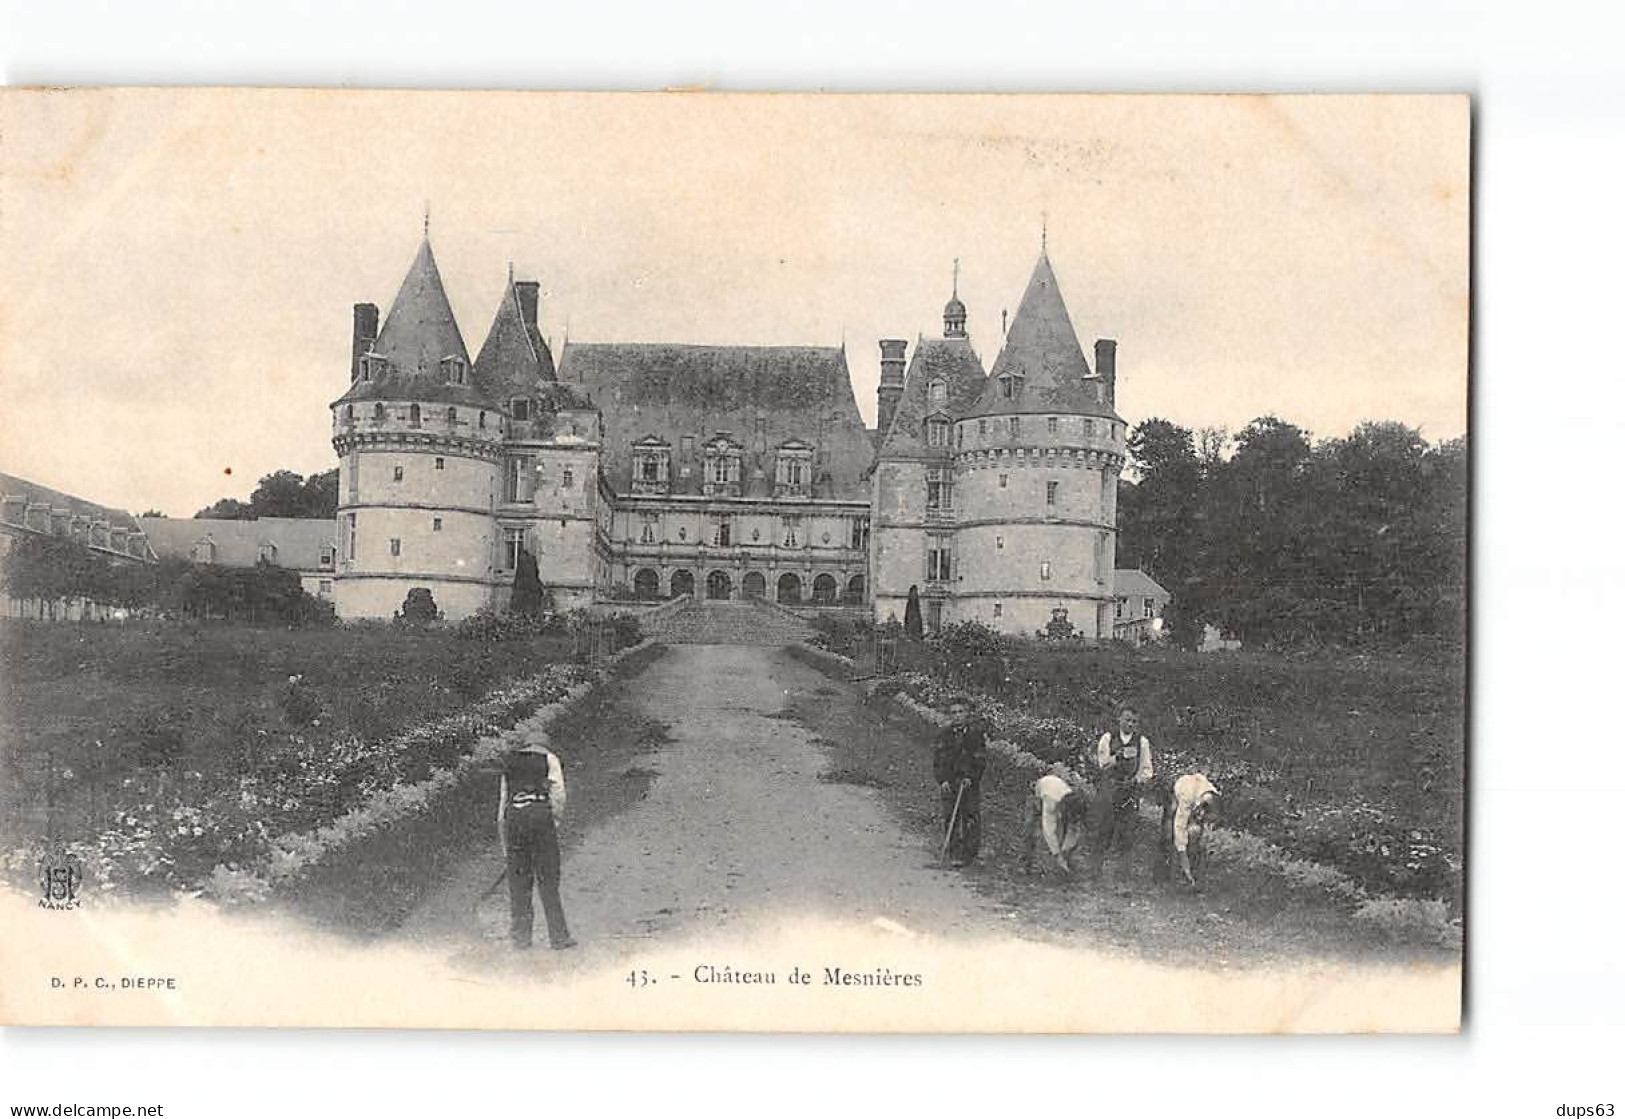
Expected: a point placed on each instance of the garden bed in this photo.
(158, 753)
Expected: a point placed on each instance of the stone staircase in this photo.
(747, 622)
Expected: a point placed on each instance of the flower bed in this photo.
(235, 837)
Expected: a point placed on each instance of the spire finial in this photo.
(425, 220)
(510, 273)
(956, 277)
(1043, 231)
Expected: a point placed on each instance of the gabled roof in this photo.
(418, 334)
(1042, 349)
(298, 541)
(515, 357)
(764, 396)
(1132, 581)
(951, 360)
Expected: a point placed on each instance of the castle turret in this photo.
(912, 540)
(1036, 466)
(420, 446)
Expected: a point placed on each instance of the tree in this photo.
(526, 599)
(419, 607)
(156, 513)
(913, 623)
(283, 493)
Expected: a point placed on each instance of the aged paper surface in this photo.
(756, 385)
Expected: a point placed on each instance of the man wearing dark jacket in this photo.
(957, 764)
(530, 804)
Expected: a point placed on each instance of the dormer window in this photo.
(651, 465)
(453, 370)
(372, 366)
(1010, 385)
(936, 431)
(793, 475)
(520, 408)
(722, 467)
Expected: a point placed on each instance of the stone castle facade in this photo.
(650, 471)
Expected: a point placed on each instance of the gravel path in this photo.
(737, 833)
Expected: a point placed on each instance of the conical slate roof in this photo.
(950, 360)
(515, 357)
(418, 334)
(1042, 349)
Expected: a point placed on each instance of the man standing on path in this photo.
(1124, 759)
(957, 764)
(530, 804)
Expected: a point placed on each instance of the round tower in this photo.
(420, 455)
(1036, 464)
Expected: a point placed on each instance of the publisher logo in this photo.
(60, 876)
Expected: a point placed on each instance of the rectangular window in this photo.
(438, 524)
(327, 557)
(860, 532)
(440, 464)
(1004, 480)
(394, 545)
(939, 558)
(647, 535)
(998, 543)
(688, 446)
(349, 536)
(981, 428)
(936, 433)
(400, 472)
(1053, 424)
(520, 408)
(1150, 608)
(721, 532)
(998, 609)
(1052, 490)
(792, 532)
(1119, 608)
(513, 540)
(939, 488)
(1015, 427)
(325, 586)
(960, 435)
(569, 478)
(1044, 570)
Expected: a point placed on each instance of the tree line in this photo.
(48, 572)
(1288, 542)
(283, 493)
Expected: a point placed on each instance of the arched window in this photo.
(824, 590)
(482, 419)
(789, 589)
(451, 416)
(646, 583)
(378, 413)
(349, 413)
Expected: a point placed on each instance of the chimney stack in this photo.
(891, 382)
(363, 335)
(1106, 370)
(528, 292)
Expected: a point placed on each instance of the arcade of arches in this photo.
(789, 590)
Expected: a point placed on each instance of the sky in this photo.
(180, 265)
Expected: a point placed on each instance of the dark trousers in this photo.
(966, 840)
(533, 863)
(1117, 810)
